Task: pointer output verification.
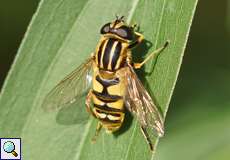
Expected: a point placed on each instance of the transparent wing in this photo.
(139, 102)
(70, 88)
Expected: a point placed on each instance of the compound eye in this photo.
(105, 28)
(121, 32)
(125, 32)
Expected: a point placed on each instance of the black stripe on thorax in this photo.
(107, 52)
(115, 53)
(100, 52)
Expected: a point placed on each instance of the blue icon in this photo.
(9, 147)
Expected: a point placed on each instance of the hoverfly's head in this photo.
(119, 29)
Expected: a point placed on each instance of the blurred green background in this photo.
(197, 123)
(198, 120)
(14, 18)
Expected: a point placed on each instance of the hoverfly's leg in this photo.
(140, 38)
(147, 138)
(88, 102)
(152, 55)
(135, 26)
(98, 129)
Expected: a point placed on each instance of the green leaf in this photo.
(197, 126)
(62, 35)
(197, 123)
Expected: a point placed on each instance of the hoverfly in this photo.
(114, 85)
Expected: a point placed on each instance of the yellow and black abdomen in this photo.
(108, 91)
(108, 102)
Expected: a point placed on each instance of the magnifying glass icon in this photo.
(9, 147)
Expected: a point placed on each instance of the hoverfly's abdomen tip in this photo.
(108, 131)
